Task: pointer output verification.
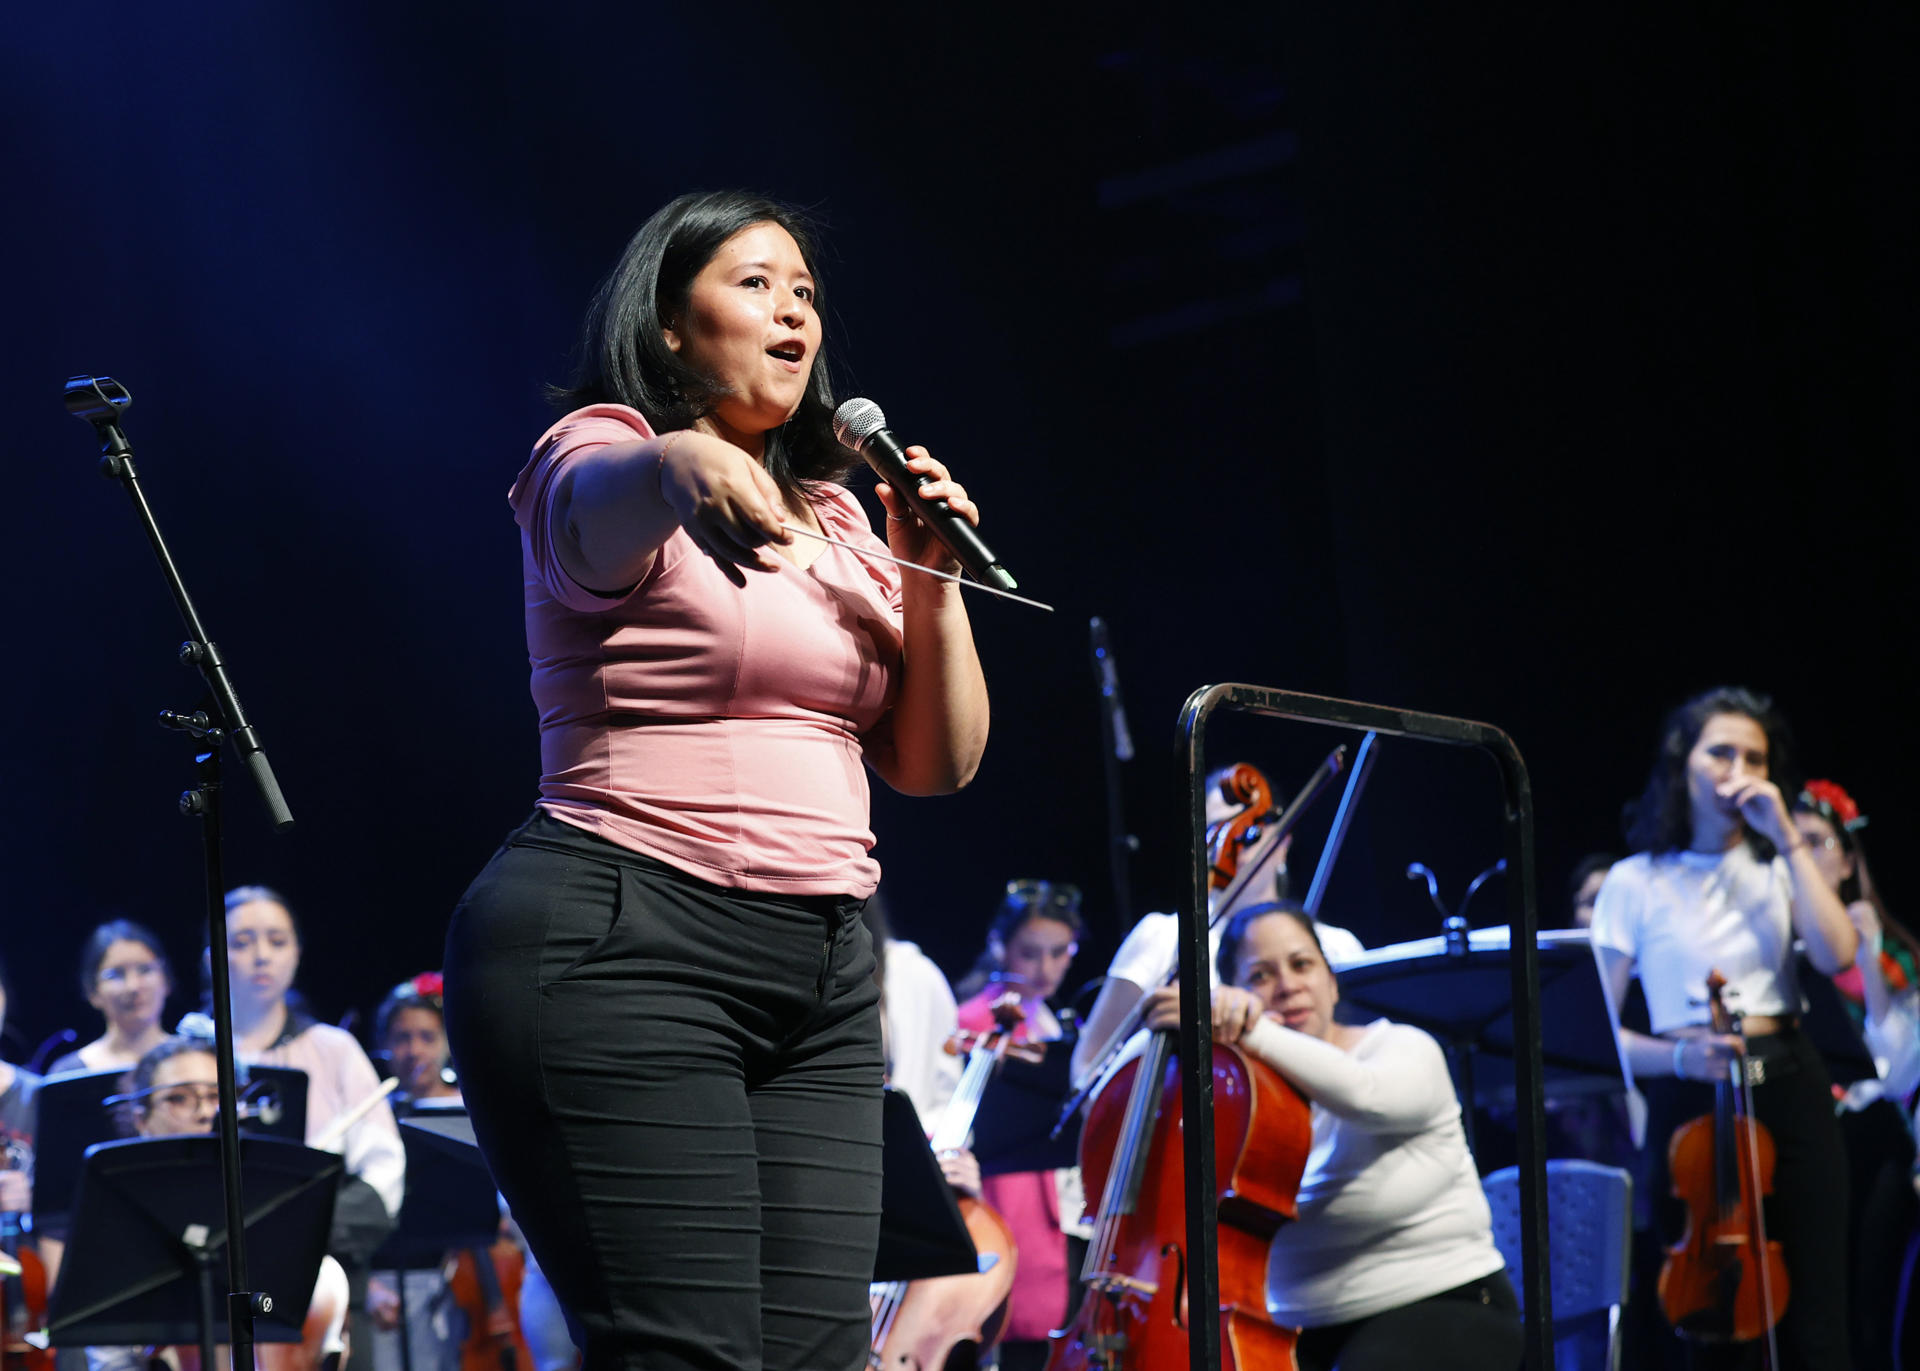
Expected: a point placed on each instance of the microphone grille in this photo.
(856, 421)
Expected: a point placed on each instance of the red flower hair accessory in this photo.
(1830, 799)
(429, 985)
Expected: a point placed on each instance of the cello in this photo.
(1134, 1315)
(947, 1321)
(1724, 1281)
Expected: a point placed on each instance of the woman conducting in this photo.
(1391, 1262)
(1721, 880)
(660, 991)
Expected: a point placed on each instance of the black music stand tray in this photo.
(73, 1115)
(1464, 998)
(921, 1231)
(149, 1231)
(1018, 1111)
(450, 1202)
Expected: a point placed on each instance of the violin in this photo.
(949, 1321)
(485, 1283)
(23, 1288)
(1245, 836)
(1724, 1281)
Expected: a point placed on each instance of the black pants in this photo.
(1881, 1214)
(1807, 1213)
(1473, 1327)
(677, 1087)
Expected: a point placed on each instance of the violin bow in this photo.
(338, 1129)
(1743, 1091)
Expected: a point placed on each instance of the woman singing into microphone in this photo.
(660, 990)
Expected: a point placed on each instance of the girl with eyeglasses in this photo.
(1879, 991)
(173, 1090)
(123, 974)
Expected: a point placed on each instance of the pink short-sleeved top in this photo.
(713, 727)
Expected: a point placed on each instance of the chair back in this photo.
(1590, 1216)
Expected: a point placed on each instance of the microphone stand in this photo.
(100, 400)
(1117, 747)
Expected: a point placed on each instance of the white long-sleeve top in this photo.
(1390, 1205)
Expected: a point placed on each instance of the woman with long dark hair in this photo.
(1721, 880)
(1031, 944)
(124, 974)
(1878, 990)
(659, 991)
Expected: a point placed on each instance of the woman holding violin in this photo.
(1030, 948)
(1390, 1262)
(1722, 882)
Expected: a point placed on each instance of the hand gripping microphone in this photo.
(860, 425)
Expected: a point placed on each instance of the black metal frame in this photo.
(1196, 997)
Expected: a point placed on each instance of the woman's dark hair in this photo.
(426, 991)
(104, 937)
(248, 894)
(1024, 900)
(1236, 933)
(625, 360)
(1661, 820)
(1857, 885)
(1589, 865)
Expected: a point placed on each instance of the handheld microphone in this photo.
(860, 425)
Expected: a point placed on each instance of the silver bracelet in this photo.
(1679, 1047)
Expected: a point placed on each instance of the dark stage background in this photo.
(1541, 369)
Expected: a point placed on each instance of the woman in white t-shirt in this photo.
(1720, 880)
(1392, 1252)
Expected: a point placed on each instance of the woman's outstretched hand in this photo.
(728, 504)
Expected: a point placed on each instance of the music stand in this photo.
(73, 1115)
(450, 1203)
(921, 1231)
(1018, 1110)
(149, 1228)
(1463, 996)
(450, 1200)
